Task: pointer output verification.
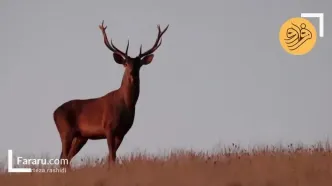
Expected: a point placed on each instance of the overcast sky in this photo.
(220, 75)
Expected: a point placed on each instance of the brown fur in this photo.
(107, 117)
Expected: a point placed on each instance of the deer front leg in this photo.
(111, 147)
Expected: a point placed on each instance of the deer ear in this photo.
(147, 59)
(118, 58)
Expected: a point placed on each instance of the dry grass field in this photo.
(293, 165)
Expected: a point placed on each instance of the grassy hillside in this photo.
(232, 166)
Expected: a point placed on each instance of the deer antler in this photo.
(156, 44)
(111, 46)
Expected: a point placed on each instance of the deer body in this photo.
(107, 117)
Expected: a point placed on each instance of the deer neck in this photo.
(130, 88)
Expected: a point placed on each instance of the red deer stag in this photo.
(107, 117)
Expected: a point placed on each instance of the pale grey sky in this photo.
(220, 75)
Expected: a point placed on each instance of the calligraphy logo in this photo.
(297, 36)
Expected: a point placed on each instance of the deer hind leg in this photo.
(76, 146)
(66, 139)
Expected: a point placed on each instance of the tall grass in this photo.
(290, 165)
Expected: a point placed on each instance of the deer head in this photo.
(131, 64)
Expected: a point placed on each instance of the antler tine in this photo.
(108, 45)
(140, 51)
(118, 50)
(103, 28)
(156, 44)
(127, 48)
